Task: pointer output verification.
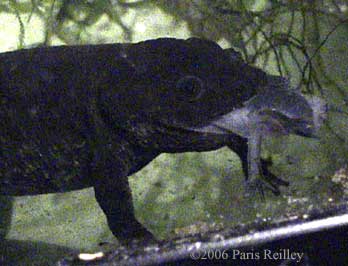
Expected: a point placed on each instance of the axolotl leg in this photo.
(255, 169)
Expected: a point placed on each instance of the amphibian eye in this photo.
(191, 87)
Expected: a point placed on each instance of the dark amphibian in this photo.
(89, 116)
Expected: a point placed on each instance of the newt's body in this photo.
(80, 116)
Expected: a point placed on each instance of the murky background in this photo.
(179, 193)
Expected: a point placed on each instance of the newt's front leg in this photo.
(112, 191)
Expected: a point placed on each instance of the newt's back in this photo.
(45, 123)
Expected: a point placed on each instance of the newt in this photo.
(82, 116)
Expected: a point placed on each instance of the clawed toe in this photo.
(258, 186)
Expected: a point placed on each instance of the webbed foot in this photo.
(266, 181)
(270, 178)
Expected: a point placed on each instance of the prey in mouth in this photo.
(275, 110)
